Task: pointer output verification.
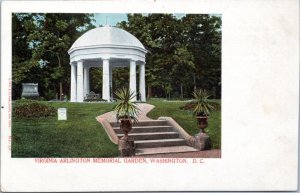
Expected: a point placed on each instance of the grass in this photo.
(79, 136)
(187, 120)
(82, 136)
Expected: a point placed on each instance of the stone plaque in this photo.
(62, 114)
(30, 90)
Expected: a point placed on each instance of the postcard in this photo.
(149, 95)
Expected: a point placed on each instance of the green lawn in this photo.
(186, 119)
(82, 136)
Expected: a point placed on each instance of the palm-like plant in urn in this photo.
(126, 110)
(202, 108)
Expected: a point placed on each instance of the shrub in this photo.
(50, 95)
(95, 100)
(33, 110)
(34, 98)
(190, 106)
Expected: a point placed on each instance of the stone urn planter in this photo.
(126, 111)
(202, 122)
(202, 110)
(126, 126)
(202, 139)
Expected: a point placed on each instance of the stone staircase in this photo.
(155, 137)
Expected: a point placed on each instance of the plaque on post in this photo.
(62, 114)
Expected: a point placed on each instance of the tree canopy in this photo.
(40, 45)
(183, 53)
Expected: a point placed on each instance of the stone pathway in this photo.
(214, 153)
(144, 110)
(144, 107)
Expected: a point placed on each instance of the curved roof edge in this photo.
(107, 37)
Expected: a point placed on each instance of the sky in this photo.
(113, 18)
(109, 18)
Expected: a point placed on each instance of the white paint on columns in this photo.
(73, 82)
(142, 83)
(132, 78)
(110, 82)
(105, 81)
(79, 81)
(86, 81)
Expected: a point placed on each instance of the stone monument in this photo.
(30, 90)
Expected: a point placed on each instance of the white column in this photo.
(80, 81)
(110, 81)
(142, 83)
(86, 81)
(105, 81)
(73, 82)
(132, 78)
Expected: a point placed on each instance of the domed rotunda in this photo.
(106, 47)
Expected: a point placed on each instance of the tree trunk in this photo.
(181, 90)
(149, 92)
(61, 91)
(61, 95)
(195, 86)
(166, 94)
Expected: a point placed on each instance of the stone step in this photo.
(146, 129)
(151, 136)
(159, 143)
(144, 123)
(163, 150)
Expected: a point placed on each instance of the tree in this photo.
(183, 68)
(157, 32)
(23, 67)
(203, 34)
(48, 38)
(183, 53)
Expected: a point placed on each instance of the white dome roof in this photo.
(107, 36)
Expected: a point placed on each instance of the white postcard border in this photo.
(260, 93)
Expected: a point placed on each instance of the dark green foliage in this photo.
(33, 110)
(40, 42)
(183, 53)
(35, 98)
